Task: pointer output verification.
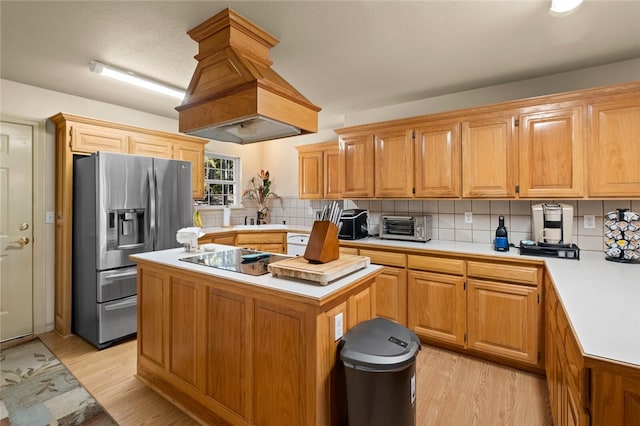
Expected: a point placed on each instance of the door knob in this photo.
(23, 226)
(23, 241)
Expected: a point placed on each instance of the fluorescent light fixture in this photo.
(129, 77)
(563, 7)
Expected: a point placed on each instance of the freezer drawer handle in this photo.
(130, 246)
(122, 305)
(121, 276)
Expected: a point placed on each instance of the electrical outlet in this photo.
(338, 327)
(468, 217)
(589, 221)
(310, 211)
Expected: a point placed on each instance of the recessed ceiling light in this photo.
(563, 7)
(129, 77)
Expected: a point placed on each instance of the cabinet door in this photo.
(489, 157)
(310, 167)
(359, 308)
(436, 160)
(89, 139)
(503, 320)
(390, 295)
(551, 160)
(356, 166)
(331, 176)
(193, 152)
(613, 150)
(151, 146)
(615, 398)
(436, 307)
(393, 165)
(152, 288)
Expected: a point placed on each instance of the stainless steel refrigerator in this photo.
(122, 205)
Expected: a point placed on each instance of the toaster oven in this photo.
(408, 228)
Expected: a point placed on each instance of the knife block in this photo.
(323, 245)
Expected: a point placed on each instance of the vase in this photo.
(262, 216)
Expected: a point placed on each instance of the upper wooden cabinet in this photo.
(393, 163)
(614, 147)
(551, 155)
(357, 165)
(436, 160)
(83, 136)
(318, 171)
(489, 157)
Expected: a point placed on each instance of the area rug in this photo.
(37, 389)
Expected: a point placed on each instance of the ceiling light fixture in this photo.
(563, 7)
(129, 77)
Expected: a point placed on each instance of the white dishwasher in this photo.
(296, 243)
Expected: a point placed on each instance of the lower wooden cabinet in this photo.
(389, 294)
(486, 308)
(437, 307)
(489, 331)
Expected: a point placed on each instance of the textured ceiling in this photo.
(343, 56)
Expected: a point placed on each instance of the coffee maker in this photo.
(552, 224)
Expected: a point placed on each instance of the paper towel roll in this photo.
(226, 217)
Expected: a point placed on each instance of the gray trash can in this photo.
(380, 373)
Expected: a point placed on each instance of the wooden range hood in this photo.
(234, 95)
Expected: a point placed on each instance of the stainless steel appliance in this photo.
(123, 204)
(354, 224)
(244, 261)
(407, 228)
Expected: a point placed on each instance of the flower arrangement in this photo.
(260, 191)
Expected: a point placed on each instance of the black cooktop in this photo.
(244, 261)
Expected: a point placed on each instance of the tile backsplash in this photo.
(448, 216)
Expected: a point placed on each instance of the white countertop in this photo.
(601, 298)
(299, 287)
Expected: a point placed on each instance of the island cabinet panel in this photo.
(613, 148)
(281, 362)
(492, 302)
(356, 166)
(151, 342)
(616, 398)
(186, 331)
(228, 333)
(436, 160)
(489, 157)
(229, 352)
(437, 307)
(393, 163)
(551, 158)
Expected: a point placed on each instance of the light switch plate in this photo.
(589, 221)
(48, 217)
(338, 327)
(468, 217)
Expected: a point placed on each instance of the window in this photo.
(221, 177)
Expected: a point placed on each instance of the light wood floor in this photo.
(452, 389)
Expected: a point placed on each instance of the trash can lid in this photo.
(379, 345)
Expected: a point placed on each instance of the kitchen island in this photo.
(230, 348)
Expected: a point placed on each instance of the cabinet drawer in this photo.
(348, 250)
(260, 238)
(272, 248)
(511, 273)
(384, 258)
(436, 264)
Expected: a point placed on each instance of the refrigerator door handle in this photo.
(152, 202)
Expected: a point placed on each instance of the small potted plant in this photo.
(260, 191)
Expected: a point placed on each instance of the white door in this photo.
(16, 231)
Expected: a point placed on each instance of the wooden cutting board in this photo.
(322, 273)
